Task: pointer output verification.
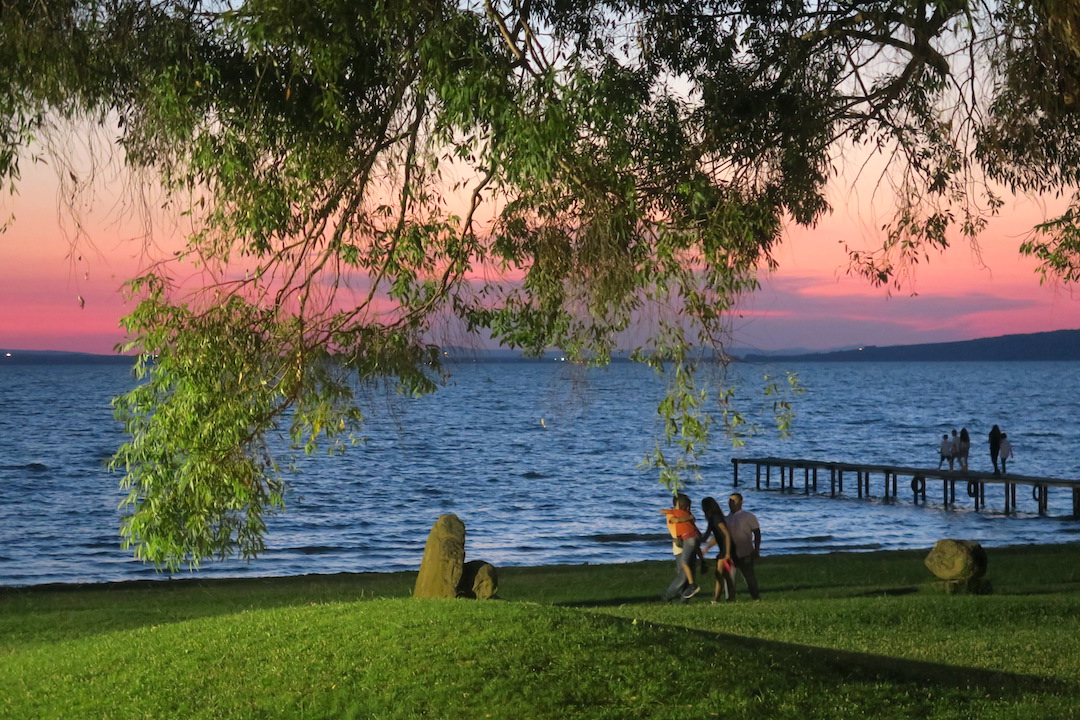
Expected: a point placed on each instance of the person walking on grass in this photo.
(746, 543)
(686, 540)
(717, 533)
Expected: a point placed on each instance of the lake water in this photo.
(540, 460)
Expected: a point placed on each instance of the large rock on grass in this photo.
(959, 560)
(479, 580)
(961, 564)
(444, 558)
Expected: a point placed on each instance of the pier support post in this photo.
(918, 488)
(1040, 494)
(974, 490)
(734, 473)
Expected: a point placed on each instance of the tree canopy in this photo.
(551, 173)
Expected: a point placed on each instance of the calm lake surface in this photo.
(540, 460)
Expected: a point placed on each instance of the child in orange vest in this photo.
(686, 538)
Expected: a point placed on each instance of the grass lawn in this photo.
(867, 635)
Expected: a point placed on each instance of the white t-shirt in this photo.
(742, 525)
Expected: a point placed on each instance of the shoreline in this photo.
(663, 566)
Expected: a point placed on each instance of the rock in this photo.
(479, 580)
(444, 557)
(960, 561)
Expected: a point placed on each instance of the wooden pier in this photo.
(973, 482)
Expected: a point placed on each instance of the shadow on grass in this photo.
(613, 602)
(850, 665)
(891, 592)
(705, 596)
(846, 666)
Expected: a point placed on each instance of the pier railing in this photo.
(973, 482)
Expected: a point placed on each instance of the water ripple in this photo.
(567, 491)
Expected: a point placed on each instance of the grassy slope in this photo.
(861, 635)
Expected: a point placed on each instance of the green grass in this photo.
(837, 636)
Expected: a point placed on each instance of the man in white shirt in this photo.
(746, 542)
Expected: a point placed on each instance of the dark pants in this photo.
(745, 566)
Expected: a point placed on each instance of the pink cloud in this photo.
(808, 312)
(810, 302)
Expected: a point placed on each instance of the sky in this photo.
(52, 298)
(812, 302)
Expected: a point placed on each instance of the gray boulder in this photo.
(444, 558)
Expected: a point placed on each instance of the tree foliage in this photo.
(552, 173)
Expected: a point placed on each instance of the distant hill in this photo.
(1055, 345)
(50, 357)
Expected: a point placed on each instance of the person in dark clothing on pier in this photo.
(995, 446)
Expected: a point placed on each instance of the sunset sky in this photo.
(810, 303)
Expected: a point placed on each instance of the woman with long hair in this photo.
(716, 533)
(965, 448)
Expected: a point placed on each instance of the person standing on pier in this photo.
(995, 446)
(746, 542)
(1006, 451)
(946, 451)
(964, 449)
(955, 449)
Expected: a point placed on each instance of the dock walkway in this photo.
(974, 482)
